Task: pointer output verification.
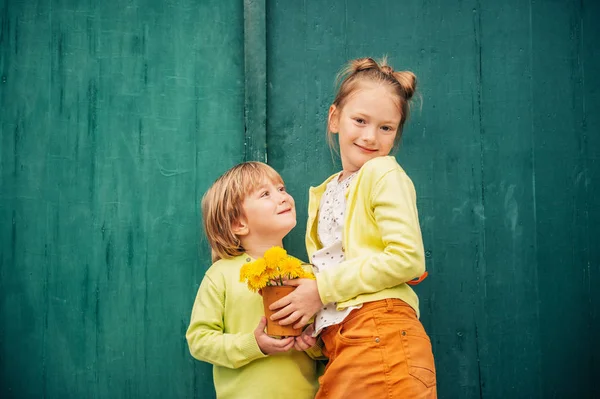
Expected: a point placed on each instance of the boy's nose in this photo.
(282, 197)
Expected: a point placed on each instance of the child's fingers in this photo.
(281, 313)
(303, 321)
(297, 347)
(286, 300)
(290, 345)
(280, 343)
(283, 345)
(308, 340)
(261, 325)
(295, 282)
(292, 318)
(300, 345)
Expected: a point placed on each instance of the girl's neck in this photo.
(344, 174)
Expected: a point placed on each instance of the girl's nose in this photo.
(369, 134)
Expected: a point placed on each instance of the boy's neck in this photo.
(257, 248)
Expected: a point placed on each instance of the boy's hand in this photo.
(298, 306)
(269, 345)
(305, 340)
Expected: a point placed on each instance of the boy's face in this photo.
(270, 211)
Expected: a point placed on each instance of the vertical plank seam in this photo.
(46, 294)
(481, 256)
(255, 81)
(533, 182)
(585, 160)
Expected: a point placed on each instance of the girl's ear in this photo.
(333, 119)
(240, 228)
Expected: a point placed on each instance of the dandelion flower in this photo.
(290, 267)
(274, 256)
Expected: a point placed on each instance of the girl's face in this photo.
(367, 125)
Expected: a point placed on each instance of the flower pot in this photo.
(272, 294)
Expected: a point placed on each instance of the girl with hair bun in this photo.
(364, 240)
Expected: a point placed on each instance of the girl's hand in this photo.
(300, 305)
(305, 340)
(269, 345)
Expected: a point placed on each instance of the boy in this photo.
(245, 212)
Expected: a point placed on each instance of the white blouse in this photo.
(330, 231)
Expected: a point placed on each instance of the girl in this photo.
(364, 239)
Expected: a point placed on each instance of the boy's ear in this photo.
(333, 119)
(240, 228)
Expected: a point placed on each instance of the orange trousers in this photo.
(379, 351)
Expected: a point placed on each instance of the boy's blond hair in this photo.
(222, 205)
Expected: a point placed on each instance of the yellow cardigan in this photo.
(382, 238)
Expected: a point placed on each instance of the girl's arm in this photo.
(393, 200)
(207, 341)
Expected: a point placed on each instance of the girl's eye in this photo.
(264, 194)
(359, 120)
(386, 128)
(282, 189)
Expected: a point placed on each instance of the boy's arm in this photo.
(316, 351)
(205, 336)
(312, 346)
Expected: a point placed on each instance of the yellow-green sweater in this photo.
(382, 239)
(221, 332)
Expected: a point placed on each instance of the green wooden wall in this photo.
(116, 116)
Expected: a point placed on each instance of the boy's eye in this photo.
(359, 120)
(264, 193)
(282, 189)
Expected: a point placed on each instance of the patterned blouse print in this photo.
(330, 228)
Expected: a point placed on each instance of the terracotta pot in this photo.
(271, 294)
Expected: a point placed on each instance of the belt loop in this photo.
(389, 305)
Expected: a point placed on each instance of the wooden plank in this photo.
(255, 77)
(115, 120)
(300, 90)
(590, 65)
(561, 199)
(509, 336)
(24, 270)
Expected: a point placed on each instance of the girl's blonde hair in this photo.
(401, 83)
(222, 205)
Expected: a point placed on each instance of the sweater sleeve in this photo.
(206, 338)
(316, 352)
(393, 202)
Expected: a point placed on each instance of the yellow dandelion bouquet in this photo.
(275, 267)
(267, 275)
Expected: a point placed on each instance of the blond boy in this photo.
(245, 212)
